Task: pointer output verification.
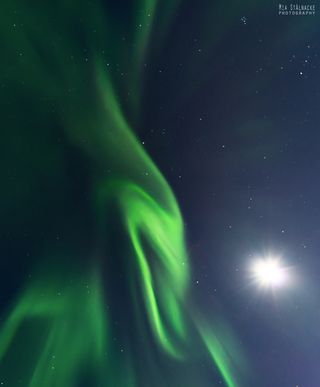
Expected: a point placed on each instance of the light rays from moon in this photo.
(270, 271)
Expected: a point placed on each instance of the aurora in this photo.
(80, 64)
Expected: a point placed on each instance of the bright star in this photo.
(268, 272)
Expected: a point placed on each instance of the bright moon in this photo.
(268, 272)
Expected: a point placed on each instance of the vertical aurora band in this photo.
(64, 312)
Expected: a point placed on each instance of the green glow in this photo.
(71, 333)
(158, 222)
(224, 356)
(75, 323)
(163, 232)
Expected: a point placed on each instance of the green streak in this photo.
(219, 355)
(73, 330)
(157, 222)
(145, 218)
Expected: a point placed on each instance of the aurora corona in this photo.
(65, 307)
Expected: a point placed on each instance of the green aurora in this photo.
(57, 330)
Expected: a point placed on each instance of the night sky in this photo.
(152, 153)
